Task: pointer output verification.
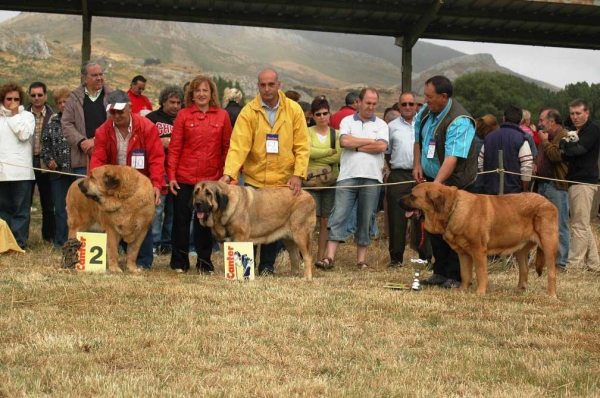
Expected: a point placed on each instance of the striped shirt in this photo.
(122, 144)
(39, 126)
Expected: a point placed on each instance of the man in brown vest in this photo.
(445, 153)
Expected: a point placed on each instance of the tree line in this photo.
(484, 93)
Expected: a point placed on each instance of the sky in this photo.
(557, 66)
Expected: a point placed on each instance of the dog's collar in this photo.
(451, 214)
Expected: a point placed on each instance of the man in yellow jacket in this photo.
(270, 140)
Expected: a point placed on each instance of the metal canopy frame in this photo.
(557, 23)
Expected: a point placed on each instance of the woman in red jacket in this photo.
(197, 152)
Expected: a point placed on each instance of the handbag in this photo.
(321, 176)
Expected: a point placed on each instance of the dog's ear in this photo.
(438, 200)
(110, 181)
(222, 200)
(192, 197)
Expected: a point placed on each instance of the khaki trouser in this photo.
(583, 244)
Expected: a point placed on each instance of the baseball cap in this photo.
(117, 100)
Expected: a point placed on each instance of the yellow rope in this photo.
(42, 170)
(344, 187)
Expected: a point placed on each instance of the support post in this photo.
(501, 192)
(406, 65)
(86, 39)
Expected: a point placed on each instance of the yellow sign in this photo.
(239, 261)
(92, 253)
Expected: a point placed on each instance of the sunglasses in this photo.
(36, 95)
(115, 112)
(407, 104)
(16, 99)
(319, 114)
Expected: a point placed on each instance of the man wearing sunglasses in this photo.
(84, 113)
(128, 139)
(42, 113)
(140, 104)
(399, 157)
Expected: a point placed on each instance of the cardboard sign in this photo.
(92, 253)
(239, 261)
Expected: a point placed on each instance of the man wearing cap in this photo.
(131, 140)
(84, 113)
(140, 104)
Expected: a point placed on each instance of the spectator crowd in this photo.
(278, 139)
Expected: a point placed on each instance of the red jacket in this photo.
(199, 145)
(337, 117)
(144, 135)
(139, 102)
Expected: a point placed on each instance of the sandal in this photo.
(325, 264)
(362, 266)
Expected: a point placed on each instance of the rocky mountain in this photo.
(307, 61)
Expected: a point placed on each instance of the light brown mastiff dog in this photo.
(121, 200)
(476, 226)
(264, 215)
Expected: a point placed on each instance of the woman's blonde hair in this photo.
(61, 92)
(485, 125)
(231, 94)
(194, 84)
(526, 116)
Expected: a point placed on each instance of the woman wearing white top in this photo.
(16, 159)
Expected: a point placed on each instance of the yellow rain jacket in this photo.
(248, 145)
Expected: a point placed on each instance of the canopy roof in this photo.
(560, 23)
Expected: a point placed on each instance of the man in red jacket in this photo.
(140, 104)
(350, 108)
(131, 140)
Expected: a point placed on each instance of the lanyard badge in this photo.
(138, 159)
(272, 143)
(431, 149)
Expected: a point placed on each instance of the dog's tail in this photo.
(540, 260)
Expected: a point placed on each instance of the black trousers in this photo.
(268, 251)
(45, 189)
(180, 237)
(396, 215)
(446, 260)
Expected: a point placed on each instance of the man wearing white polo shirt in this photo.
(363, 137)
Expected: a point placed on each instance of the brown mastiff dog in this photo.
(476, 226)
(121, 200)
(265, 215)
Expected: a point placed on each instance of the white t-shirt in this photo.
(360, 164)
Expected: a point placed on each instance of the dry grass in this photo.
(340, 334)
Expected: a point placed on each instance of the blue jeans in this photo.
(82, 171)
(145, 256)
(366, 199)
(60, 186)
(560, 199)
(351, 227)
(15, 208)
(161, 229)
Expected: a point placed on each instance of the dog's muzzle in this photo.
(411, 212)
(202, 210)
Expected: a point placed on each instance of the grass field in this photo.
(340, 334)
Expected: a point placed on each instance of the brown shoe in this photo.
(325, 264)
